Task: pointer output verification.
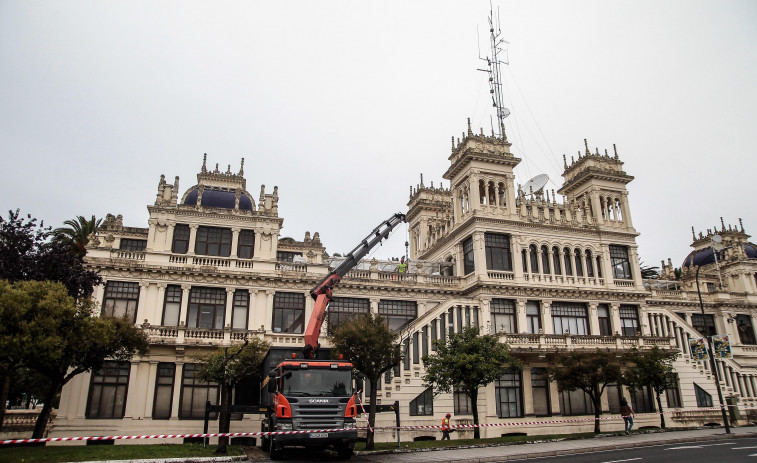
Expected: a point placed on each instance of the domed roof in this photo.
(218, 197)
(707, 256)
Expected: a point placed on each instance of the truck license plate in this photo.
(318, 435)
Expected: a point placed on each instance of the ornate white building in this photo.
(545, 275)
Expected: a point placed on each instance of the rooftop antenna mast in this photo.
(498, 57)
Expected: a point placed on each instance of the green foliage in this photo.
(76, 234)
(651, 368)
(368, 343)
(649, 272)
(590, 372)
(230, 365)
(466, 362)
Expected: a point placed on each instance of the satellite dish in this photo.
(536, 184)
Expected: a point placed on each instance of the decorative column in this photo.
(150, 391)
(546, 316)
(596, 206)
(479, 253)
(175, 403)
(374, 305)
(521, 322)
(510, 195)
(593, 318)
(185, 289)
(486, 315)
(234, 241)
(168, 242)
(252, 320)
(625, 210)
(192, 239)
(141, 302)
(517, 260)
(615, 316)
(158, 320)
(269, 304)
(228, 314)
(131, 392)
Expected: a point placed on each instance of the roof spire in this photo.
(615, 148)
(204, 161)
(470, 132)
(565, 161)
(722, 224)
(741, 224)
(421, 180)
(693, 233)
(586, 144)
(241, 169)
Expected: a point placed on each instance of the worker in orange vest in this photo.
(445, 427)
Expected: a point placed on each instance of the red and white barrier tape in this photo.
(365, 415)
(272, 433)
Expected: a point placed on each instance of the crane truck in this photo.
(315, 399)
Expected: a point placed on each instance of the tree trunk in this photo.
(596, 399)
(44, 414)
(474, 405)
(4, 388)
(224, 419)
(662, 415)
(369, 436)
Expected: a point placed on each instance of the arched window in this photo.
(599, 267)
(568, 266)
(534, 259)
(556, 260)
(501, 194)
(589, 264)
(545, 260)
(491, 192)
(579, 265)
(482, 192)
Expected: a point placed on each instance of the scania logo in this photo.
(318, 401)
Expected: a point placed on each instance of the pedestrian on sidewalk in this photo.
(627, 413)
(445, 427)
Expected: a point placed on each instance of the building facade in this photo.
(544, 274)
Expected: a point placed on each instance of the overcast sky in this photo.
(343, 105)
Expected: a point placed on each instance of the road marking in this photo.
(618, 461)
(685, 447)
(743, 448)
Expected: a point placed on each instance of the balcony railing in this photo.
(566, 340)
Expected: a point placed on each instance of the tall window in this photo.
(288, 312)
(172, 305)
(575, 403)
(468, 260)
(509, 395)
(397, 313)
(503, 316)
(128, 244)
(107, 391)
(579, 266)
(540, 391)
(745, 329)
(343, 309)
(570, 317)
(207, 307)
(406, 351)
(424, 341)
(416, 348)
(629, 320)
(614, 393)
(533, 317)
(641, 400)
(497, 251)
(180, 239)
(566, 257)
(599, 267)
(705, 324)
(603, 314)
(246, 246)
(121, 300)
(194, 393)
(240, 309)
(212, 241)
(621, 266)
(704, 399)
(161, 408)
(463, 404)
(673, 394)
(434, 334)
(556, 260)
(287, 256)
(423, 404)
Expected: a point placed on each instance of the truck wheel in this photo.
(276, 451)
(344, 452)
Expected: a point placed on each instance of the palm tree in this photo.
(76, 234)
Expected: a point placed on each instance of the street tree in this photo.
(589, 372)
(74, 340)
(652, 368)
(369, 344)
(227, 367)
(75, 235)
(465, 362)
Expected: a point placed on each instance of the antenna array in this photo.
(494, 61)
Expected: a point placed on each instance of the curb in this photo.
(178, 460)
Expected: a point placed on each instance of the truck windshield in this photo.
(317, 383)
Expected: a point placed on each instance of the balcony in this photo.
(526, 342)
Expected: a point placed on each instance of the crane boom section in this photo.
(322, 292)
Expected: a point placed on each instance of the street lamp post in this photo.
(712, 357)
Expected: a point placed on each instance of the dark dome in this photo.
(213, 197)
(707, 256)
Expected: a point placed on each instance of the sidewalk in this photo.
(542, 449)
